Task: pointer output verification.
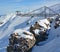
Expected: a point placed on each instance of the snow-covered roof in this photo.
(21, 33)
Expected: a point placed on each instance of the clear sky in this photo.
(9, 6)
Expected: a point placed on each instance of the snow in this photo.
(42, 23)
(53, 46)
(7, 17)
(10, 27)
(13, 23)
(37, 31)
(20, 32)
(59, 18)
(45, 21)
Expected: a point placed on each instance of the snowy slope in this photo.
(17, 22)
(53, 46)
(12, 24)
(7, 18)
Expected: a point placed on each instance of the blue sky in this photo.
(9, 6)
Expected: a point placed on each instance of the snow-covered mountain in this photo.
(12, 22)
